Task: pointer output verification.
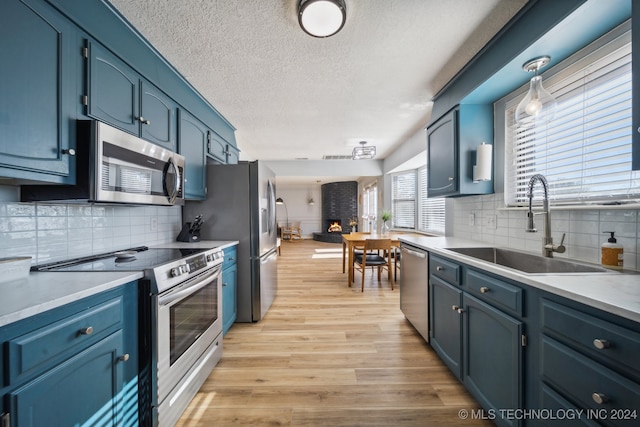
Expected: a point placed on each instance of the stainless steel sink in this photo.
(528, 263)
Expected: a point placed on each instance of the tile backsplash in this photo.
(52, 232)
(484, 218)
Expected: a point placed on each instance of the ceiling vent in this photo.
(329, 157)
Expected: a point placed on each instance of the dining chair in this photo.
(378, 254)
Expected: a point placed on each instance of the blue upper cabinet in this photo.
(119, 96)
(220, 151)
(193, 139)
(452, 144)
(113, 90)
(38, 95)
(158, 118)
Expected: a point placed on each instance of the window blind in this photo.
(585, 151)
(403, 200)
(411, 209)
(431, 212)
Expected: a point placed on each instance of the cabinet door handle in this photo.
(224, 284)
(484, 289)
(439, 268)
(143, 120)
(123, 358)
(455, 308)
(601, 344)
(69, 151)
(460, 310)
(599, 398)
(86, 331)
(450, 178)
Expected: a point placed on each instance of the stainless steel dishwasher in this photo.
(414, 287)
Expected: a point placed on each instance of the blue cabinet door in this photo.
(84, 390)
(217, 148)
(442, 156)
(446, 323)
(192, 144)
(233, 155)
(113, 90)
(158, 117)
(38, 92)
(229, 297)
(492, 354)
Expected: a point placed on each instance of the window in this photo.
(410, 207)
(369, 207)
(585, 151)
(403, 200)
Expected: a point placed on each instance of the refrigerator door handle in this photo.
(268, 258)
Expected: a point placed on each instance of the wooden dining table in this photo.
(350, 241)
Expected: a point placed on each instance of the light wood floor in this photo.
(328, 355)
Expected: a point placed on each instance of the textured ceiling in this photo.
(292, 96)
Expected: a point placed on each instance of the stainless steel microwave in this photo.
(113, 166)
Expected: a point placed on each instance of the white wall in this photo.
(296, 198)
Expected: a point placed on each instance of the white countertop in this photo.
(203, 244)
(613, 291)
(42, 291)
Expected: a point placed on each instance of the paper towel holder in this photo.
(482, 168)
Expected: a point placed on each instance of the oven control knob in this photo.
(180, 270)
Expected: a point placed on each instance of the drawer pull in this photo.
(86, 331)
(599, 398)
(455, 308)
(123, 358)
(601, 344)
(439, 268)
(484, 289)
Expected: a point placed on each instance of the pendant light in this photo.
(538, 106)
(322, 18)
(363, 152)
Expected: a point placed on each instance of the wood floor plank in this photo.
(327, 354)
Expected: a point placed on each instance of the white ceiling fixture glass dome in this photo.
(322, 18)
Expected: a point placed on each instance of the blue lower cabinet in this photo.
(84, 390)
(74, 365)
(493, 357)
(446, 324)
(229, 289)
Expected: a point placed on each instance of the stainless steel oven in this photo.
(189, 337)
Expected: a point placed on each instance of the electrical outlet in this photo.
(153, 224)
(492, 221)
(472, 219)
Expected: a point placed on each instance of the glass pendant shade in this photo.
(538, 106)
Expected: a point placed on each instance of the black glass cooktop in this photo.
(133, 259)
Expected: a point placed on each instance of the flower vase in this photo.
(385, 228)
(353, 228)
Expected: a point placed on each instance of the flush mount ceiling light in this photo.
(363, 152)
(538, 106)
(322, 18)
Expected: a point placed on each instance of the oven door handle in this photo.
(174, 296)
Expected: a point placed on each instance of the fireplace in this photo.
(334, 226)
(339, 203)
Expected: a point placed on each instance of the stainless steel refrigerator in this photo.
(241, 205)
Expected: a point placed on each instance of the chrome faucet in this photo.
(548, 248)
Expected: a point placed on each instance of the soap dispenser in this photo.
(612, 252)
